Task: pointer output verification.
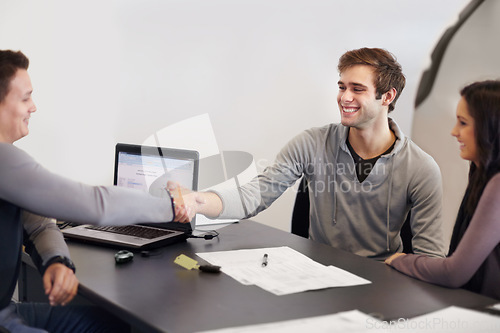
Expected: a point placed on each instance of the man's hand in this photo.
(189, 203)
(193, 202)
(181, 211)
(60, 284)
(389, 260)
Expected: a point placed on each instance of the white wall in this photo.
(118, 71)
(467, 59)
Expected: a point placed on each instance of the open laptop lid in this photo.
(149, 168)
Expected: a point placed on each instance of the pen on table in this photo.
(264, 260)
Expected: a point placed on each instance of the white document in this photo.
(287, 271)
(202, 220)
(452, 319)
(350, 321)
(495, 307)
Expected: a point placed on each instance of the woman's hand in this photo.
(389, 260)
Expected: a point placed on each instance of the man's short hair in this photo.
(388, 72)
(10, 62)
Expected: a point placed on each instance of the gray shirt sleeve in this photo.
(28, 185)
(257, 195)
(426, 195)
(45, 235)
(479, 241)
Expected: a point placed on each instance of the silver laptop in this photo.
(145, 168)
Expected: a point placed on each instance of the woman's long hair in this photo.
(483, 104)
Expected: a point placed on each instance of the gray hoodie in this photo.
(362, 218)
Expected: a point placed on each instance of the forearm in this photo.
(45, 236)
(441, 271)
(211, 204)
(28, 185)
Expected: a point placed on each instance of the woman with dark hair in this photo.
(473, 261)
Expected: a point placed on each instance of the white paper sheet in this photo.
(495, 307)
(350, 321)
(287, 271)
(452, 319)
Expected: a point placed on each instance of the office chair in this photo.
(300, 218)
(406, 235)
(300, 214)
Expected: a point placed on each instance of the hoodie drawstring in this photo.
(389, 195)
(335, 188)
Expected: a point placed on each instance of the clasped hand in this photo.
(187, 202)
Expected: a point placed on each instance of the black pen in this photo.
(264, 260)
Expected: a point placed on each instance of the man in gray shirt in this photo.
(28, 193)
(365, 176)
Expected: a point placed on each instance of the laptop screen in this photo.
(150, 168)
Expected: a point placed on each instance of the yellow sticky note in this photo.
(186, 262)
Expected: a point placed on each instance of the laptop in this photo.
(145, 168)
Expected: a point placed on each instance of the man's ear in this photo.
(389, 96)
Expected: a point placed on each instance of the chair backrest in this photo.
(300, 215)
(300, 218)
(406, 235)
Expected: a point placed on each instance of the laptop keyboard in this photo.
(133, 230)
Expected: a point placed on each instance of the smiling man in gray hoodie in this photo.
(365, 176)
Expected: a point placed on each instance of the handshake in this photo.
(188, 203)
